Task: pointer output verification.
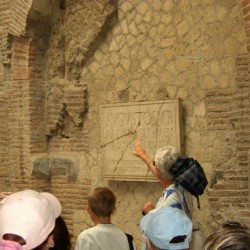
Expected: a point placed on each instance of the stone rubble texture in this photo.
(59, 64)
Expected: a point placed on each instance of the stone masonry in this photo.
(61, 60)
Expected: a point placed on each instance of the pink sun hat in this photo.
(30, 215)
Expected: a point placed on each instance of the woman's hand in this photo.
(148, 206)
(141, 153)
(139, 150)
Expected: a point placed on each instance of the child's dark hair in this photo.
(62, 237)
(102, 201)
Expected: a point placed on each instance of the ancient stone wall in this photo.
(75, 56)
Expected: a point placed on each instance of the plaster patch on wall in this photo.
(41, 168)
(46, 166)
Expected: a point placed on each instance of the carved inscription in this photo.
(155, 123)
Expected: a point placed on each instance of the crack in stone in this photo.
(134, 134)
(121, 136)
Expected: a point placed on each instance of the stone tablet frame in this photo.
(154, 123)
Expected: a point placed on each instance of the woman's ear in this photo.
(50, 241)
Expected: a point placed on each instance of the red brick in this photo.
(244, 3)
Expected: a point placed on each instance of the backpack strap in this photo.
(198, 202)
(130, 241)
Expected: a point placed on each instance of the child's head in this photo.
(231, 235)
(167, 228)
(102, 201)
(28, 218)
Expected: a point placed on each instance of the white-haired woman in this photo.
(174, 194)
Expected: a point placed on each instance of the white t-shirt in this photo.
(102, 237)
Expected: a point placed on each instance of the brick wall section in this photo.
(4, 23)
(36, 102)
(44, 6)
(28, 137)
(13, 15)
(218, 107)
(25, 104)
(242, 101)
(20, 134)
(245, 4)
(19, 12)
(19, 103)
(3, 140)
(71, 142)
(27, 129)
(66, 106)
(64, 111)
(234, 184)
(232, 188)
(241, 113)
(74, 196)
(5, 6)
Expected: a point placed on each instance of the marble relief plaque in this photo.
(154, 123)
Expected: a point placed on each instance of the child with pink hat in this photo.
(27, 219)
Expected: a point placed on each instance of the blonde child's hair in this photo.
(102, 201)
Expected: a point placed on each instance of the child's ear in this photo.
(114, 210)
(151, 246)
(89, 210)
(50, 241)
